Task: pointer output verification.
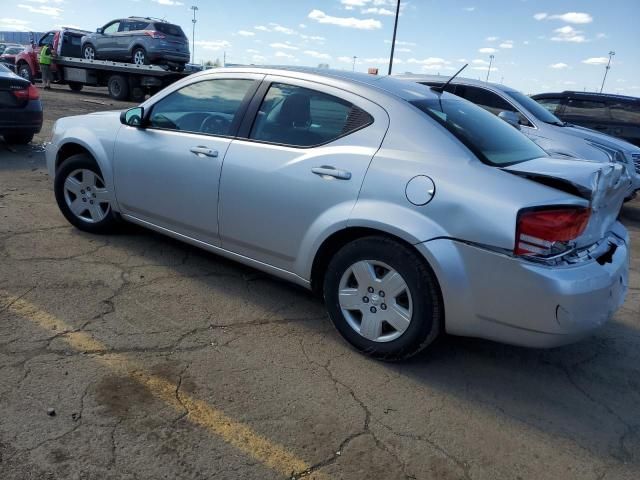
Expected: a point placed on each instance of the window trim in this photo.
(252, 115)
(235, 125)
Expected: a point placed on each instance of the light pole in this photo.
(193, 34)
(393, 42)
(353, 68)
(491, 57)
(606, 69)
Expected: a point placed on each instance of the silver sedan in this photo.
(412, 212)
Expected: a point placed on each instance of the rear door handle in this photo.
(206, 151)
(328, 171)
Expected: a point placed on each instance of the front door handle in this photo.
(328, 171)
(206, 151)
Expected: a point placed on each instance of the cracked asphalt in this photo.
(162, 361)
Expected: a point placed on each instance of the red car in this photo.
(8, 57)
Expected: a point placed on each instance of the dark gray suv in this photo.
(138, 40)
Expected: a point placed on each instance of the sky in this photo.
(538, 45)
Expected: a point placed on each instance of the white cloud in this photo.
(596, 61)
(213, 45)
(491, 39)
(302, 25)
(378, 11)
(568, 34)
(469, 9)
(602, 35)
(46, 1)
(314, 54)
(558, 66)
(429, 61)
(279, 28)
(484, 69)
(246, 33)
(349, 22)
(13, 24)
(281, 46)
(525, 42)
(487, 50)
(403, 49)
(398, 42)
(569, 17)
(170, 3)
(479, 61)
(43, 10)
(283, 55)
(506, 44)
(262, 28)
(345, 59)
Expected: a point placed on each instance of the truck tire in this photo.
(75, 86)
(118, 87)
(25, 72)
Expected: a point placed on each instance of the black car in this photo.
(20, 108)
(616, 115)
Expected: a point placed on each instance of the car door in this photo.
(106, 41)
(299, 169)
(167, 173)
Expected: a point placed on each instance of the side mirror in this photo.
(98, 30)
(132, 117)
(512, 118)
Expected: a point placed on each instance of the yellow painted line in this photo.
(235, 433)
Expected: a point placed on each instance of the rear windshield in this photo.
(535, 108)
(493, 140)
(169, 29)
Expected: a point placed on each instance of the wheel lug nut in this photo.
(84, 199)
(365, 299)
(370, 289)
(91, 202)
(383, 306)
(82, 192)
(373, 309)
(381, 293)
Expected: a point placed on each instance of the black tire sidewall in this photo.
(75, 162)
(18, 138)
(124, 87)
(22, 67)
(426, 322)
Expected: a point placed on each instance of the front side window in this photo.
(208, 107)
(494, 141)
(534, 108)
(551, 104)
(488, 100)
(111, 28)
(587, 109)
(298, 116)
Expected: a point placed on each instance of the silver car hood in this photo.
(604, 185)
(597, 137)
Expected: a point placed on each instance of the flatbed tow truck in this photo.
(124, 81)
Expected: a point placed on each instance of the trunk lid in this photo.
(9, 82)
(603, 185)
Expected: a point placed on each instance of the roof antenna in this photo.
(441, 88)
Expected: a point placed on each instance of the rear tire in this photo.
(118, 87)
(372, 279)
(18, 138)
(75, 87)
(25, 72)
(85, 185)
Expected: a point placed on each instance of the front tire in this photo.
(383, 298)
(89, 52)
(82, 195)
(25, 72)
(75, 86)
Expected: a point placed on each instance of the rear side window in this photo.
(551, 104)
(587, 109)
(208, 107)
(169, 29)
(484, 98)
(625, 112)
(133, 26)
(302, 117)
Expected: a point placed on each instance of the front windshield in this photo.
(535, 108)
(493, 140)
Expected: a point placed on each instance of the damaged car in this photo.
(410, 211)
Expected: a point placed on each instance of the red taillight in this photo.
(30, 93)
(547, 232)
(155, 34)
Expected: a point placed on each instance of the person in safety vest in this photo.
(45, 65)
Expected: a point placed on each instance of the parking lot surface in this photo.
(134, 356)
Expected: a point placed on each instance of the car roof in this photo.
(458, 80)
(592, 95)
(145, 19)
(380, 83)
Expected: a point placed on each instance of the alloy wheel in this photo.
(375, 300)
(138, 57)
(86, 196)
(89, 53)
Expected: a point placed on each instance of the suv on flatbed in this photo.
(138, 40)
(615, 115)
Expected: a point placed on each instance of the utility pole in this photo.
(193, 35)
(491, 57)
(393, 42)
(353, 68)
(607, 68)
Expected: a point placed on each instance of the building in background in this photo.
(23, 38)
